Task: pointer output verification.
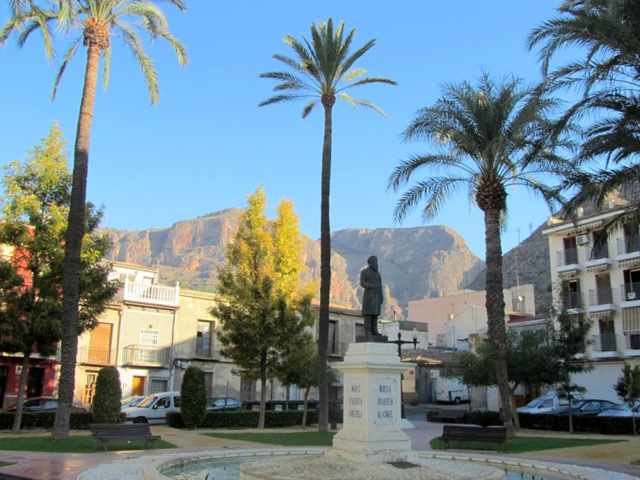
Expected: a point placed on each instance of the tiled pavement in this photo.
(50, 466)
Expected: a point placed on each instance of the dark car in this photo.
(43, 404)
(224, 403)
(586, 407)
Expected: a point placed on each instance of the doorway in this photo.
(137, 387)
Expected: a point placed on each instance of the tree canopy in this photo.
(34, 213)
(263, 307)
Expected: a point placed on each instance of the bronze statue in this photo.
(372, 299)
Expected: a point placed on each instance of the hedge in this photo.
(246, 419)
(77, 420)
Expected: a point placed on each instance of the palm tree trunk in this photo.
(17, 419)
(73, 248)
(495, 311)
(325, 275)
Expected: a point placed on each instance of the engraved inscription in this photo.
(385, 404)
(354, 407)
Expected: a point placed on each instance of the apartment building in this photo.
(601, 279)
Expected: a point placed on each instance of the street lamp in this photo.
(401, 342)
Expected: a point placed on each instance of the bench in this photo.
(471, 433)
(113, 432)
(454, 416)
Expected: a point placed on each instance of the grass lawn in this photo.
(522, 444)
(293, 439)
(73, 444)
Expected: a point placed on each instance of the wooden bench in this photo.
(113, 432)
(471, 433)
(454, 416)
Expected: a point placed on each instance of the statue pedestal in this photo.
(372, 427)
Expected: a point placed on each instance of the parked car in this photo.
(43, 404)
(585, 407)
(224, 403)
(154, 408)
(547, 403)
(131, 401)
(622, 410)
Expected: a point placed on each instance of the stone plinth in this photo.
(372, 430)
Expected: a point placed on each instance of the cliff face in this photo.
(415, 263)
(526, 263)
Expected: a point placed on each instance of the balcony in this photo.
(96, 356)
(604, 343)
(632, 339)
(151, 294)
(630, 295)
(599, 259)
(572, 301)
(628, 251)
(145, 356)
(567, 262)
(601, 301)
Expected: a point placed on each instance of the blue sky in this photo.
(207, 144)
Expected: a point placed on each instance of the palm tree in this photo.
(608, 75)
(98, 21)
(487, 139)
(322, 71)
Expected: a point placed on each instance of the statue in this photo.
(372, 299)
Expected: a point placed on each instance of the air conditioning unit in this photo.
(582, 239)
(631, 295)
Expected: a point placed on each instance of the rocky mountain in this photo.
(526, 263)
(415, 263)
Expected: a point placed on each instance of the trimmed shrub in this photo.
(482, 418)
(106, 401)
(193, 397)
(77, 420)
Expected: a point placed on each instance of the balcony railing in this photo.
(632, 339)
(151, 294)
(630, 244)
(568, 256)
(572, 300)
(631, 291)
(149, 356)
(599, 251)
(96, 356)
(604, 343)
(601, 296)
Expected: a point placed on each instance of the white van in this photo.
(548, 402)
(451, 390)
(154, 408)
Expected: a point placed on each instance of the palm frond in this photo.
(136, 48)
(63, 66)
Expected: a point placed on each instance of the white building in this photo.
(601, 279)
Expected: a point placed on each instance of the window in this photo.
(89, 389)
(570, 251)
(149, 340)
(600, 247)
(603, 289)
(204, 338)
(572, 294)
(607, 335)
(158, 384)
(333, 337)
(100, 344)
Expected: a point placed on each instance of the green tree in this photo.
(530, 361)
(323, 68)
(569, 337)
(34, 209)
(628, 387)
(98, 21)
(608, 34)
(193, 397)
(486, 135)
(299, 366)
(106, 401)
(263, 306)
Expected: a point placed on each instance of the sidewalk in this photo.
(50, 466)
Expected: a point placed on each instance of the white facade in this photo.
(601, 279)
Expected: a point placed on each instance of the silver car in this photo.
(622, 410)
(154, 408)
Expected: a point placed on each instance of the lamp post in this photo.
(401, 342)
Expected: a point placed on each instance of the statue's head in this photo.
(372, 261)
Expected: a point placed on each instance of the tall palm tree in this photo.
(98, 22)
(486, 140)
(322, 71)
(608, 75)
